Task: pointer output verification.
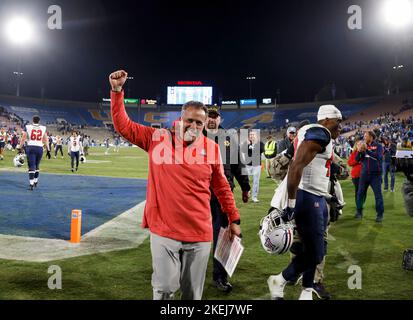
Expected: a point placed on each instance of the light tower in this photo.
(398, 15)
(19, 31)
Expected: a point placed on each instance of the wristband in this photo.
(291, 203)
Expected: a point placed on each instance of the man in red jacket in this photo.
(183, 166)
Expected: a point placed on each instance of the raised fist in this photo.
(117, 79)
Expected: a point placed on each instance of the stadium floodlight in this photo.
(19, 30)
(250, 79)
(398, 13)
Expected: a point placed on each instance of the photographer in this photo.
(404, 162)
(389, 164)
(407, 191)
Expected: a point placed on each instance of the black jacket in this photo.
(230, 153)
(389, 152)
(284, 145)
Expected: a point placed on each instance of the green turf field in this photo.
(377, 249)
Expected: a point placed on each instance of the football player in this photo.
(75, 148)
(308, 186)
(36, 137)
(3, 140)
(107, 146)
(58, 146)
(280, 201)
(117, 144)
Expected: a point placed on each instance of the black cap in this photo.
(304, 123)
(214, 110)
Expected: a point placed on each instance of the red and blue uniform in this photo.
(311, 213)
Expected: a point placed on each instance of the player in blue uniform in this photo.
(307, 185)
(36, 137)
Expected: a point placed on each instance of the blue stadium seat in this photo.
(93, 116)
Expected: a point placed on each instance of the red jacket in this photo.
(356, 166)
(178, 192)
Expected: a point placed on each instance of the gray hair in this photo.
(196, 105)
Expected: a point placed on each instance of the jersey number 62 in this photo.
(36, 135)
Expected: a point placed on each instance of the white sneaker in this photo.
(307, 294)
(276, 285)
(255, 200)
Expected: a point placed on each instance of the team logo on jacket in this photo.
(227, 143)
(316, 205)
(203, 152)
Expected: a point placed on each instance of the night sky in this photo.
(295, 46)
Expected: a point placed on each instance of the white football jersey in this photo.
(35, 133)
(316, 175)
(75, 144)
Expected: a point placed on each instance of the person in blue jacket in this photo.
(371, 158)
(389, 163)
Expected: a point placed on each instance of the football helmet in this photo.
(276, 235)
(82, 159)
(19, 160)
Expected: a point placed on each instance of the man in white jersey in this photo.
(75, 148)
(3, 141)
(58, 146)
(36, 137)
(107, 146)
(307, 186)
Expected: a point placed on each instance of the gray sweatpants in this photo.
(177, 265)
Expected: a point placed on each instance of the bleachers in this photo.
(51, 111)
(93, 115)
(257, 118)
(390, 104)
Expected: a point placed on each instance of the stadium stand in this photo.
(396, 105)
(94, 120)
(94, 115)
